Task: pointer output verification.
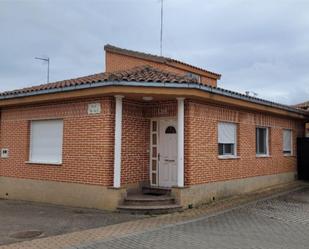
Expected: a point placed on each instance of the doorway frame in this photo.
(151, 158)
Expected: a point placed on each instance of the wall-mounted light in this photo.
(147, 98)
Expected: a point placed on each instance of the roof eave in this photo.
(196, 86)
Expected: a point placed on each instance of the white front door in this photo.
(167, 170)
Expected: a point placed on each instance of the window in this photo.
(262, 141)
(287, 142)
(227, 139)
(154, 153)
(226, 149)
(170, 130)
(46, 141)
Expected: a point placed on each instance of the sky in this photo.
(261, 46)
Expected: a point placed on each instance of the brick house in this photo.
(304, 106)
(148, 121)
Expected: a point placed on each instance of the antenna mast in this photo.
(161, 32)
(46, 60)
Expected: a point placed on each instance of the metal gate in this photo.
(303, 158)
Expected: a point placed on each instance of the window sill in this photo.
(228, 157)
(263, 156)
(44, 163)
(289, 155)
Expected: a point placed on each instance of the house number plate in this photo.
(94, 108)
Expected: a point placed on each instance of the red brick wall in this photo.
(87, 149)
(160, 109)
(202, 164)
(116, 62)
(89, 142)
(135, 143)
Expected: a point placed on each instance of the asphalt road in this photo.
(21, 220)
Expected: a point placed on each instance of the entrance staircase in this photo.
(150, 201)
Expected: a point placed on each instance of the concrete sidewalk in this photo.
(92, 236)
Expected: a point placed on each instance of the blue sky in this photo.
(259, 46)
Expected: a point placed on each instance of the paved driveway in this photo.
(21, 220)
(282, 222)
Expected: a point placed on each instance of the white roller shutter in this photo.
(46, 141)
(287, 140)
(226, 133)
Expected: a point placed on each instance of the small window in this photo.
(154, 152)
(154, 139)
(154, 126)
(227, 139)
(262, 141)
(170, 130)
(46, 141)
(287, 142)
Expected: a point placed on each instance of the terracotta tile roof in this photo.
(155, 58)
(303, 106)
(137, 74)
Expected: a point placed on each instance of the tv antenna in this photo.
(46, 60)
(161, 31)
(248, 93)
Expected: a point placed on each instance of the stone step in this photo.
(156, 191)
(148, 200)
(155, 209)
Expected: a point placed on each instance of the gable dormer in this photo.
(117, 59)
